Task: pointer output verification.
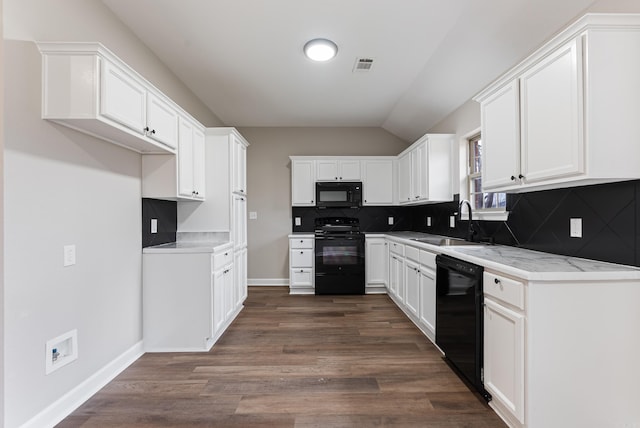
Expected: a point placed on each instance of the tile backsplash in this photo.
(166, 212)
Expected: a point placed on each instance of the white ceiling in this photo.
(243, 58)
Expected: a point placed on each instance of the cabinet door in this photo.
(162, 120)
(229, 292)
(239, 167)
(185, 160)
(327, 170)
(376, 261)
(419, 173)
(377, 182)
(349, 170)
(428, 299)
(122, 98)
(396, 277)
(404, 179)
(239, 226)
(199, 178)
(218, 301)
(412, 287)
(552, 116)
(501, 138)
(240, 283)
(504, 356)
(303, 183)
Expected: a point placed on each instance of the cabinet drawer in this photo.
(222, 259)
(506, 289)
(301, 242)
(412, 253)
(396, 248)
(301, 258)
(301, 277)
(428, 259)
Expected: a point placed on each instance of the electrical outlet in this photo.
(575, 228)
(253, 215)
(69, 255)
(390, 221)
(452, 221)
(298, 221)
(154, 225)
(428, 221)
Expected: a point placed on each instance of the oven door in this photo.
(340, 265)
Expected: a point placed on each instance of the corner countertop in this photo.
(526, 264)
(186, 247)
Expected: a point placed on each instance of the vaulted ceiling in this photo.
(244, 60)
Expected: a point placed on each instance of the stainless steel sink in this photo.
(445, 242)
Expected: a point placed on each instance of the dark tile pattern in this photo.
(537, 220)
(167, 214)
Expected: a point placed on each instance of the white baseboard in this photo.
(73, 399)
(268, 282)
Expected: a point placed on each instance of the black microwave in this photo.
(341, 194)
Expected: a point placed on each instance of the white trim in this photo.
(268, 282)
(73, 399)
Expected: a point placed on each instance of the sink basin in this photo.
(445, 242)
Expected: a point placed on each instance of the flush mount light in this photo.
(320, 49)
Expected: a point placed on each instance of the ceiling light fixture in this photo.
(320, 49)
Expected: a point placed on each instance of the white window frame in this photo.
(494, 214)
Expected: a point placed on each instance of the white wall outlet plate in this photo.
(69, 255)
(154, 225)
(390, 220)
(452, 221)
(428, 221)
(575, 228)
(253, 215)
(298, 221)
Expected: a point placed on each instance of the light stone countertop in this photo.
(526, 264)
(191, 242)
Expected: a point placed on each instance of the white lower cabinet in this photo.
(376, 261)
(396, 271)
(504, 356)
(188, 299)
(301, 264)
(412, 287)
(428, 301)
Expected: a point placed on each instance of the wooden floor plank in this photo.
(296, 362)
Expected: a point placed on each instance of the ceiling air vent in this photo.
(363, 64)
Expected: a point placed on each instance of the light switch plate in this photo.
(154, 225)
(390, 220)
(452, 221)
(253, 215)
(69, 255)
(575, 228)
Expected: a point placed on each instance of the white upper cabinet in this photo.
(567, 115)
(87, 88)
(303, 182)
(424, 170)
(239, 159)
(338, 170)
(123, 98)
(162, 121)
(191, 161)
(377, 181)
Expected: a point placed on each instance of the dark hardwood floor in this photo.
(295, 361)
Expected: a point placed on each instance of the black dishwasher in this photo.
(459, 317)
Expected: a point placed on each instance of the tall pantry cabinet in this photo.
(230, 175)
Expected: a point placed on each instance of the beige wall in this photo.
(1, 223)
(269, 182)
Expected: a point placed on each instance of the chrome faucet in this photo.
(470, 230)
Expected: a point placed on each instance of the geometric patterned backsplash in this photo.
(540, 221)
(537, 220)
